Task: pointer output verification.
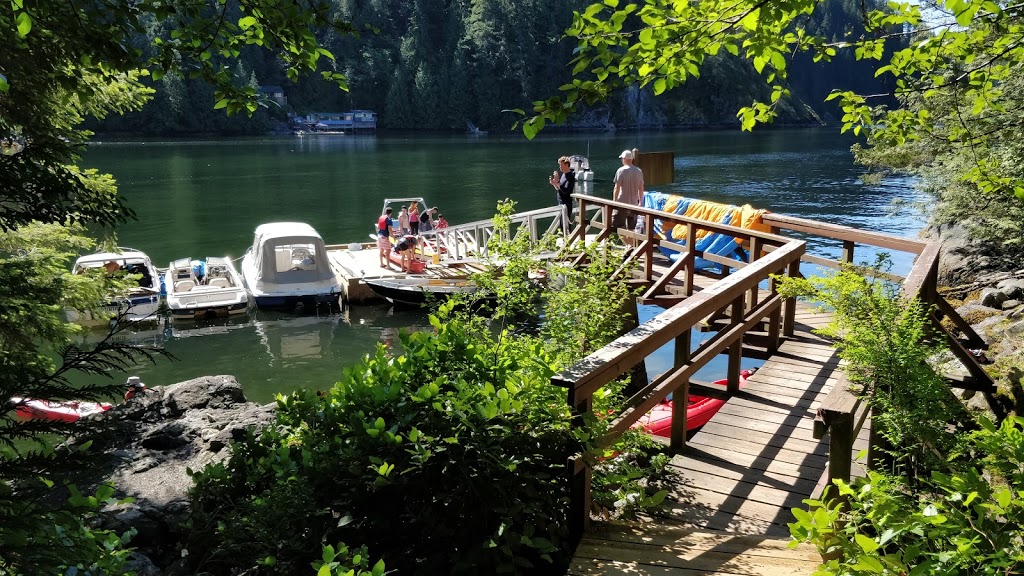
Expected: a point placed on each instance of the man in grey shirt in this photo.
(629, 189)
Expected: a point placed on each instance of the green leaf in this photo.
(750, 20)
(24, 24)
(246, 22)
(659, 86)
(378, 568)
(325, 570)
(866, 543)
(222, 103)
(1003, 497)
(4, 86)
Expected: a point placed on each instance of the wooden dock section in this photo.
(623, 548)
(356, 265)
(732, 489)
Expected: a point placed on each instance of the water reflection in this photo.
(267, 352)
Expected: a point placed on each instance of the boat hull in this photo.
(288, 269)
(699, 411)
(218, 292)
(70, 411)
(416, 292)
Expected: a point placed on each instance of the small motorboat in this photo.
(287, 267)
(67, 411)
(700, 410)
(581, 166)
(204, 288)
(141, 304)
(417, 291)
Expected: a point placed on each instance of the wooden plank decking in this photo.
(732, 489)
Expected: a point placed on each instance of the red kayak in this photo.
(69, 411)
(700, 410)
(415, 266)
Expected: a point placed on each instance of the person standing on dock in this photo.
(427, 220)
(414, 218)
(403, 221)
(629, 189)
(384, 226)
(564, 181)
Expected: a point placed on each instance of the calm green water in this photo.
(205, 198)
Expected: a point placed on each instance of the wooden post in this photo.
(848, 251)
(691, 241)
(649, 253)
(789, 319)
(840, 446)
(578, 471)
(735, 349)
(681, 395)
(755, 253)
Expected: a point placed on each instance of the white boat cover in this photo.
(290, 253)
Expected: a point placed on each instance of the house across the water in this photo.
(351, 121)
(274, 93)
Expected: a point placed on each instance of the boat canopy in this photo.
(290, 253)
(126, 256)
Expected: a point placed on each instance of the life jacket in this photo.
(383, 225)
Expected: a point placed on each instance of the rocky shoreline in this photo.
(153, 441)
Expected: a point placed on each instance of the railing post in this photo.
(789, 318)
(848, 246)
(840, 446)
(649, 254)
(755, 253)
(691, 242)
(578, 470)
(681, 395)
(736, 348)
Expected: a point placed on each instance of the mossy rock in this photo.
(975, 314)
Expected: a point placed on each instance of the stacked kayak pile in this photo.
(708, 242)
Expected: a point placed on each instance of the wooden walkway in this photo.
(732, 489)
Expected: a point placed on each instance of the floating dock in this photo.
(356, 263)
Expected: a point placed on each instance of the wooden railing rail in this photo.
(921, 282)
(646, 244)
(607, 364)
(842, 412)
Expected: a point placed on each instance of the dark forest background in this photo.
(434, 64)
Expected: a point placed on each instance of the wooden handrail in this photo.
(842, 413)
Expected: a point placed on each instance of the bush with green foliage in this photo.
(966, 520)
(884, 339)
(38, 532)
(447, 458)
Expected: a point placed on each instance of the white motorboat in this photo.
(581, 165)
(140, 304)
(202, 289)
(287, 268)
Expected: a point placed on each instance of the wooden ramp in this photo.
(732, 488)
(620, 548)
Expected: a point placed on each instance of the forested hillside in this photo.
(433, 64)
